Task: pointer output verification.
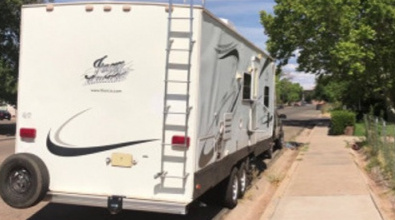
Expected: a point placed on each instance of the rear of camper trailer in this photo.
(142, 106)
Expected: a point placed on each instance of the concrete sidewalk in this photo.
(324, 183)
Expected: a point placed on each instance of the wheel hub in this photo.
(235, 188)
(243, 181)
(20, 181)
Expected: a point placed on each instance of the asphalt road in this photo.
(303, 116)
(303, 113)
(299, 118)
(198, 211)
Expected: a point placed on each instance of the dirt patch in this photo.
(262, 190)
(382, 195)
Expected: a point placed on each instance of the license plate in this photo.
(121, 160)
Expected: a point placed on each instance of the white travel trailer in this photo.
(141, 106)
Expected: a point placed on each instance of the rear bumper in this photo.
(131, 204)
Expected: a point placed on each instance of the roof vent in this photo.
(126, 8)
(107, 8)
(50, 7)
(89, 8)
(228, 23)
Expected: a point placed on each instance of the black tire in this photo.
(24, 180)
(243, 179)
(269, 152)
(279, 142)
(232, 190)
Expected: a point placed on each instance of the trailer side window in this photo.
(247, 86)
(266, 96)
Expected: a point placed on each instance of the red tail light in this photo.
(27, 133)
(180, 140)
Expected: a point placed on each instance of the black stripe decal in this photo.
(265, 65)
(74, 152)
(233, 52)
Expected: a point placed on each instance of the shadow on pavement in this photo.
(67, 212)
(8, 129)
(321, 122)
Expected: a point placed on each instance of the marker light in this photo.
(180, 140)
(126, 8)
(50, 7)
(198, 186)
(27, 133)
(89, 8)
(107, 8)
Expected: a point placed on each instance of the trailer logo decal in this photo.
(107, 72)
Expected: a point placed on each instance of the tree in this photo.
(10, 14)
(329, 89)
(350, 40)
(288, 91)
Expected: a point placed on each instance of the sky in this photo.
(244, 14)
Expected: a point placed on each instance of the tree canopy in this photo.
(287, 91)
(10, 14)
(351, 41)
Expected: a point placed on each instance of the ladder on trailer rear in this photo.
(177, 108)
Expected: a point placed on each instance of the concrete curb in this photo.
(7, 138)
(268, 214)
(365, 176)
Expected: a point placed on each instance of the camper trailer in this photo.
(141, 106)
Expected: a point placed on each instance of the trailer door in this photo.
(262, 108)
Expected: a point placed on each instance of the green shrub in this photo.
(359, 130)
(340, 119)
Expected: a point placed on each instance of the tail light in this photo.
(27, 133)
(180, 140)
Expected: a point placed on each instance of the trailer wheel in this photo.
(232, 190)
(279, 142)
(243, 180)
(24, 180)
(269, 152)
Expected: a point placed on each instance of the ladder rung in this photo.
(179, 49)
(180, 34)
(177, 113)
(174, 159)
(176, 18)
(175, 127)
(177, 145)
(178, 66)
(178, 177)
(178, 97)
(177, 81)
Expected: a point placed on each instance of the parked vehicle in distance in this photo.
(4, 114)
